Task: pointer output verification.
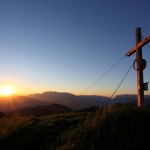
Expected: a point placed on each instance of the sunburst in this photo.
(6, 90)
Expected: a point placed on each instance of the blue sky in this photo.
(65, 45)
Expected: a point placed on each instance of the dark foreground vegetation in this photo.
(115, 128)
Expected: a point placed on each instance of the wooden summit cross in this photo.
(140, 65)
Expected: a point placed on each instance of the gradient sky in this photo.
(65, 45)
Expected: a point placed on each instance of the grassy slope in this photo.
(117, 128)
(22, 133)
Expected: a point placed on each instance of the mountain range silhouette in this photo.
(69, 100)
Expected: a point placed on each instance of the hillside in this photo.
(115, 128)
(40, 110)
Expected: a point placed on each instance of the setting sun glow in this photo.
(6, 90)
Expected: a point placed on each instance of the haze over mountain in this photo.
(128, 98)
(47, 98)
(15, 101)
(69, 100)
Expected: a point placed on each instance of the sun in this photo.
(6, 90)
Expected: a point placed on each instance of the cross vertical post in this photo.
(140, 65)
(140, 84)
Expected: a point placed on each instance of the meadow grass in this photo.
(115, 128)
(36, 132)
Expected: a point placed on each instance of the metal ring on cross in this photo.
(140, 64)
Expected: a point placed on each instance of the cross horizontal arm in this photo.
(141, 44)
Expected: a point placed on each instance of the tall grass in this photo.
(22, 133)
(8, 125)
(115, 128)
